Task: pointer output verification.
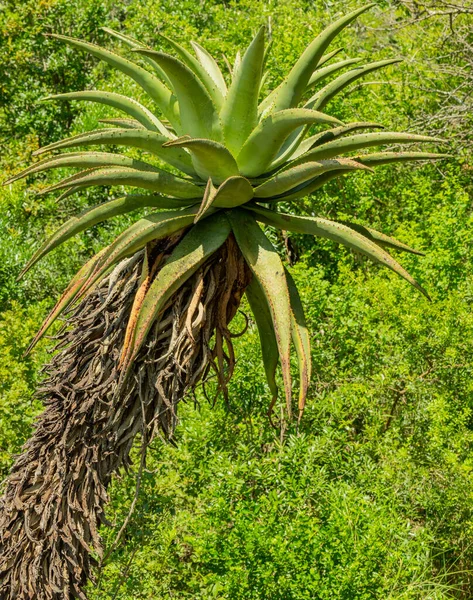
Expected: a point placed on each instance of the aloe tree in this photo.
(147, 318)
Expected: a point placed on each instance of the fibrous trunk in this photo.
(53, 504)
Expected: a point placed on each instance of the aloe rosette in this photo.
(232, 157)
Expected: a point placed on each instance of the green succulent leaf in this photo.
(210, 65)
(159, 181)
(301, 341)
(239, 114)
(209, 158)
(381, 239)
(134, 45)
(151, 84)
(385, 158)
(98, 214)
(199, 115)
(287, 179)
(321, 74)
(201, 242)
(321, 98)
(81, 160)
(207, 200)
(144, 140)
(326, 57)
(127, 105)
(123, 123)
(269, 346)
(296, 145)
(361, 140)
(233, 192)
(332, 134)
(291, 90)
(268, 136)
(268, 269)
(196, 67)
(155, 226)
(338, 233)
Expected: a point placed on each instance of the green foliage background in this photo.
(373, 496)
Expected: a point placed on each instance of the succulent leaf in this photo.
(290, 92)
(268, 136)
(322, 97)
(97, 214)
(337, 232)
(210, 65)
(209, 158)
(144, 140)
(269, 346)
(268, 269)
(239, 114)
(361, 140)
(151, 84)
(200, 72)
(202, 241)
(301, 341)
(155, 181)
(127, 105)
(287, 179)
(199, 115)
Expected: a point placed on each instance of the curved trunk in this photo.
(54, 499)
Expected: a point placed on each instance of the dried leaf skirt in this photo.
(54, 498)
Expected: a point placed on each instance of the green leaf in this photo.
(127, 105)
(83, 159)
(269, 346)
(328, 57)
(320, 74)
(97, 214)
(380, 238)
(196, 67)
(209, 158)
(338, 233)
(202, 241)
(301, 341)
(291, 90)
(159, 181)
(332, 134)
(296, 145)
(123, 123)
(207, 200)
(135, 44)
(151, 84)
(233, 192)
(211, 66)
(268, 269)
(322, 97)
(290, 178)
(199, 116)
(239, 114)
(385, 158)
(156, 226)
(268, 136)
(145, 140)
(361, 140)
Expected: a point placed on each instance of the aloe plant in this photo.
(217, 160)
